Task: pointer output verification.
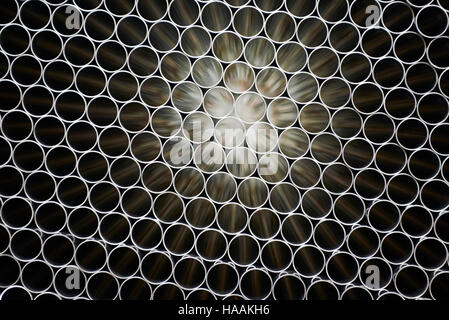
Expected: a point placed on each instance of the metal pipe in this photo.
(323, 62)
(433, 108)
(198, 127)
(83, 222)
(243, 250)
(252, 192)
(276, 255)
(273, 167)
(90, 255)
(143, 61)
(39, 186)
(238, 77)
(385, 274)
(72, 191)
(309, 261)
(289, 287)
(264, 224)
(135, 289)
(345, 37)
(157, 177)
(168, 207)
(114, 228)
(102, 286)
(241, 162)
(421, 78)
(271, 82)
(305, 173)
(283, 113)
(248, 21)
(316, 203)
(397, 17)
(232, 218)
(291, 57)
(124, 172)
(256, 284)
(346, 123)
(16, 213)
(356, 293)
(342, 268)
(323, 290)
(175, 66)
(411, 281)
(431, 21)
(37, 276)
(400, 103)
(102, 111)
(11, 271)
(156, 267)
(136, 202)
(178, 239)
(296, 229)
(284, 198)
(227, 46)
(396, 247)
(259, 52)
(221, 187)
(122, 86)
(216, 16)
(417, 221)
(402, 189)
(58, 250)
(81, 135)
(363, 242)
(312, 32)
(195, 41)
(376, 42)
(390, 158)
(430, 253)
(349, 208)
(222, 278)
(200, 213)
(5, 238)
(201, 295)
(434, 195)
(208, 252)
(367, 97)
(384, 216)
(325, 148)
(302, 87)
(218, 102)
(189, 273)
(38, 100)
(294, 143)
(26, 244)
(436, 140)
(168, 291)
(123, 262)
(145, 147)
(409, 47)
(329, 235)
(369, 184)
(154, 91)
(146, 233)
(437, 288)
(337, 178)
(207, 72)
(16, 125)
(92, 166)
(15, 293)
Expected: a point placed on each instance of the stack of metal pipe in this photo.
(233, 149)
